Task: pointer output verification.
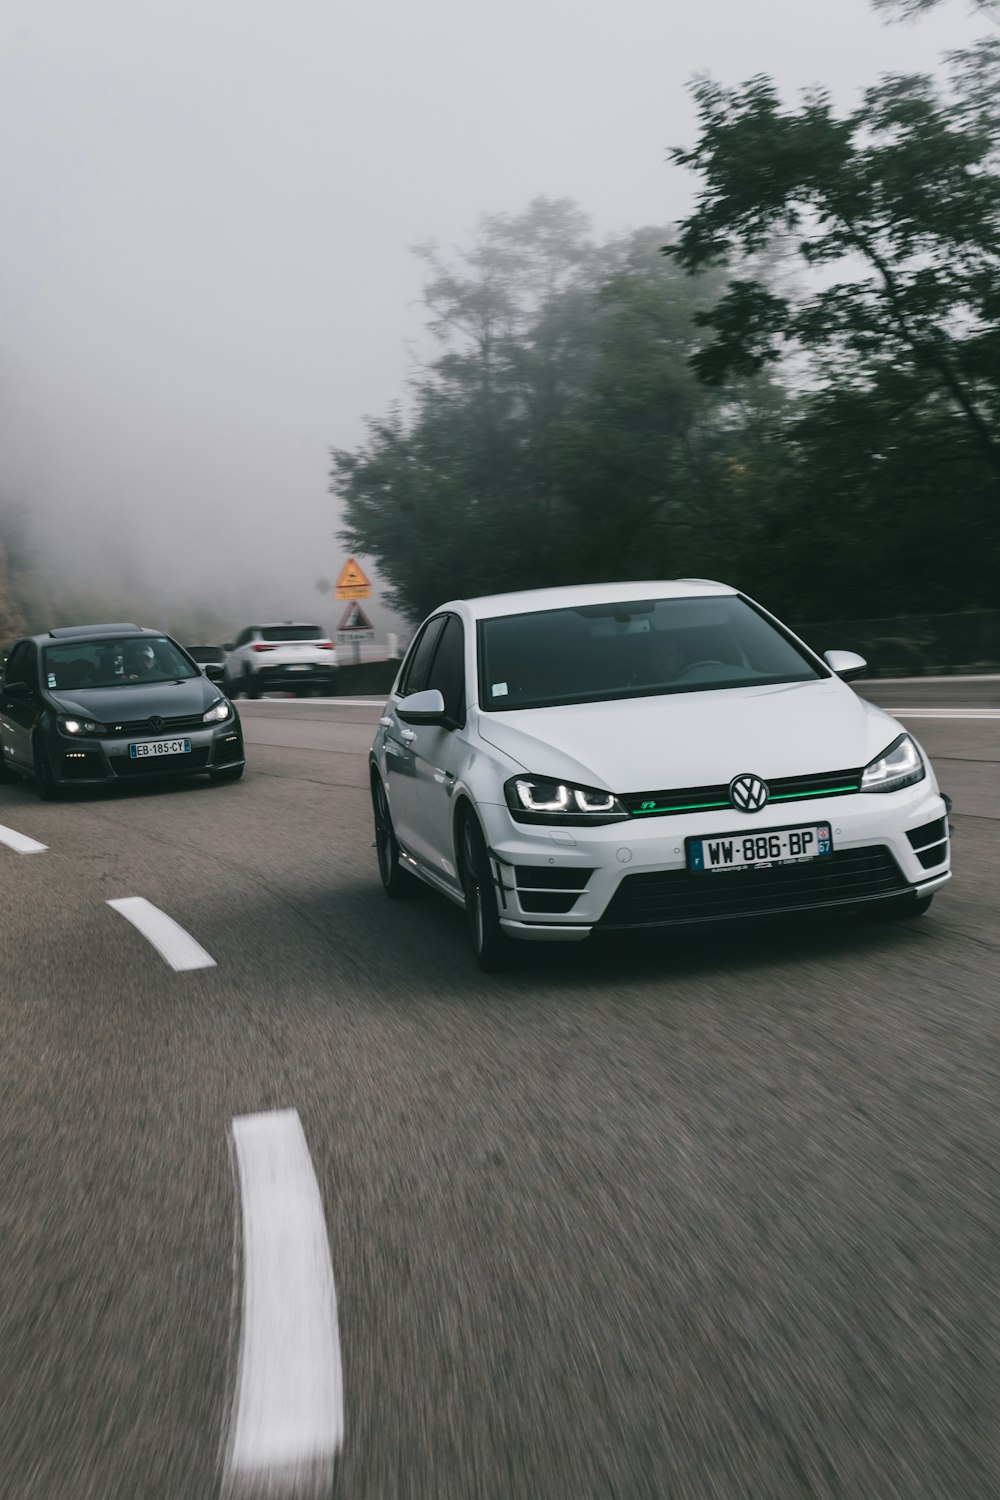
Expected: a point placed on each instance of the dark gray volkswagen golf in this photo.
(96, 705)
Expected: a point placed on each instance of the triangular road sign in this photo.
(354, 618)
(352, 583)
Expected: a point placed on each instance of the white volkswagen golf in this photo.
(631, 755)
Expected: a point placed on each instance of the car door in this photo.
(436, 751)
(400, 738)
(19, 714)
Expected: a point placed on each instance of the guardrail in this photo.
(915, 645)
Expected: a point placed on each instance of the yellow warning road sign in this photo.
(352, 583)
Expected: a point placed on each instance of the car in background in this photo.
(211, 659)
(99, 705)
(643, 755)
(290, 657)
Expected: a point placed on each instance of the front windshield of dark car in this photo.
(633, 649)
(110, 662)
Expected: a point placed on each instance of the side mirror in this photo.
(17, 692)
(846, 664)
(422, 708)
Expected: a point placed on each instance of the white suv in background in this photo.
(284, 658)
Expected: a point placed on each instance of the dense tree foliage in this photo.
(909, 10)
(892, 466)
(558, 434)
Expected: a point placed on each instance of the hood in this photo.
(696, 739)
(140, 700)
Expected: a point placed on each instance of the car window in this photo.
(415, 670)
(447, 672)
(292, 633)
(633, 649)
(207, 653)
(21, 664)
(114, 662)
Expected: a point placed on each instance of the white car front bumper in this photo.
(560, 883)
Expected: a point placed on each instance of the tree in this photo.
(558, 435)
(900, 200)
(909, 10)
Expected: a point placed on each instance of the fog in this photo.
(205, 220)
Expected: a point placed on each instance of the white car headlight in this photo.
(216, 713)
(539, 799)
(901, 765)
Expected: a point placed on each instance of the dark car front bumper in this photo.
(108, 761)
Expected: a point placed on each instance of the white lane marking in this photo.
(167, 936)
(20, 841)
(288, 1414)
(944, 713)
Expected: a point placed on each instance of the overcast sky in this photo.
(206, 209)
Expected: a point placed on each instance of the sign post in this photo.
(355, 625)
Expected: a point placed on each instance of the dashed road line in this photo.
(20, 842)
(287, 1421)
(176, 946)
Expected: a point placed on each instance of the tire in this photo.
(492, 947)
(228, 773)
(250, 687)
(45, 782)
(232, 687)
(396, 882)
(898, 908)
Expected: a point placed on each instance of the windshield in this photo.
(292, 633)
(110, 662)
(635, 649)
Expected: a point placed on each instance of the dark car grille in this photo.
(542, 888)
(670, 896)
(143, 726)
(161, 765)
(708, 798)
(930, 843)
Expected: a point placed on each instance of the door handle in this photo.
(407, 735)
(385, 722)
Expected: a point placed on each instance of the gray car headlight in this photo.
(539, 799)
(72, 724)
(901, 765)
(217, 712)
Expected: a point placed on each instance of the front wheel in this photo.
(250, 686)
(395, 880)
(45, 782)
(490, 944)
(897, 908)
(228, 773)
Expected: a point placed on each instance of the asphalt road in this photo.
(700, 1216)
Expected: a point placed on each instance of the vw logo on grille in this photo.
(748, 793)
(157, 725)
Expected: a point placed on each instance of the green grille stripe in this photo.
(825, 791)
(692, 807)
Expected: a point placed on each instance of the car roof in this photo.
(532, 601)
(287, 625)
(90, 633)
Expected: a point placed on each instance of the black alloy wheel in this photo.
(45, 782)
(227, 773)
(491, 945)
(897, 908)
(397, 882)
